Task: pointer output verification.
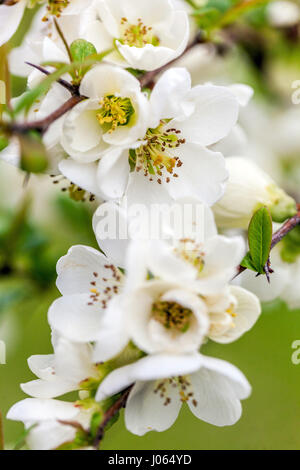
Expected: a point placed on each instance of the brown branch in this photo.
(287, 227)
(43, 125)
(109, 415)
(73, 89)
(148, 79)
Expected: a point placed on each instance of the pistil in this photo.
(114, 112)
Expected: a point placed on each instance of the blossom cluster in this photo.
(134, 316)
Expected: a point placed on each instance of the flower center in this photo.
(172, 316)
(55, 8)
(114, 112)
(184, 388)
(137, 35)
(157, 154)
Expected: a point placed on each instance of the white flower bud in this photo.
(248, 189)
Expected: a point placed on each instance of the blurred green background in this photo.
(39, 223)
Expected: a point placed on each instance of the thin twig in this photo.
(43, 125)
(71, 88)
(109, 415)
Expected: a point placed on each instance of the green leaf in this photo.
(260, 238)
(81, 49)
(248, 263)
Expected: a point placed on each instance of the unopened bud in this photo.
(33, 153)
(248, 189)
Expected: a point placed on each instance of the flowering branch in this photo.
(109, 415)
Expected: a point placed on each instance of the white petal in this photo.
(202, 175)
(82, 133)
(146, 58)
(73, 361)
(168, 96)
(97, 34)
(222, 256)
(159, 366)
(11, 154)
(218, 388)
(84, 175)
(113, 336)
(113, 173)
(48, 389)
(10, 18)
(110, 225)
(73, 318)
(247, 312)
(145, 410)
(108, 80)
(49, 435)
(79, 268)
(42, 366)
(34, 409)
(216, 112)
(243, 93)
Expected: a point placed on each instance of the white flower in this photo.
(212, 388)
(146, 35)
(34, 47)
(283, 13)
(10, 18)
(115, 113)
(164, 317)
(48, 416)
(247, 190)
(67, 370)
(203, 267)
(173, 153)
(88, 283)
(177, 294)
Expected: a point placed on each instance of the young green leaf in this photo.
(260, 238)
(81, 49)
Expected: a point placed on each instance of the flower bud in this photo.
(248, 189)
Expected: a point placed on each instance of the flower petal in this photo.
(218, 388)
(48, 389)
(247, 312)
(81, 267)
(216, 113)
(158, 366)
(203, 174)
(84, 175)
(34, 409)
(145, 410)
(10, 18)
(168, 96)
(73, 318)
(113, 173)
